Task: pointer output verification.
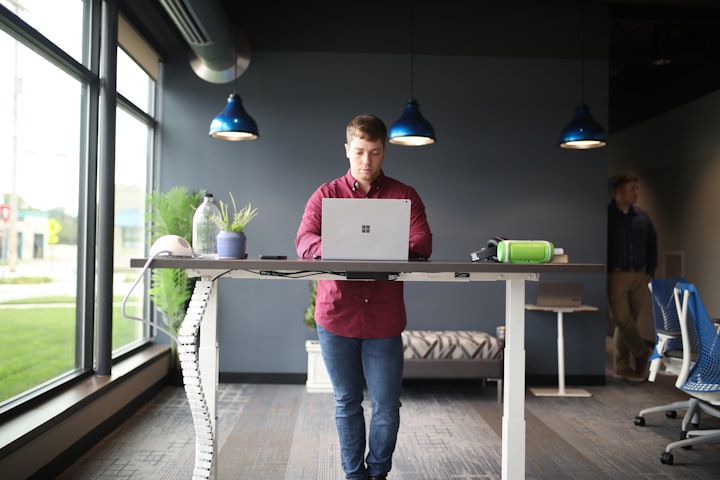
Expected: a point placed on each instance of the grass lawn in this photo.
(38, 341)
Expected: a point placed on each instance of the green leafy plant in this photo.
(170, 213)
(235, 221)
(170, 290)
(309, 319)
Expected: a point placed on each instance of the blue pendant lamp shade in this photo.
(411, 129)
(234, 123)
(583, 132)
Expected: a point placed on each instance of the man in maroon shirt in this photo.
(359, 322)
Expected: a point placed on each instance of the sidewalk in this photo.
(61, 270)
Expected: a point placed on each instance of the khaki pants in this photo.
(628, 294)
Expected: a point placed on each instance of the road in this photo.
(61, 271)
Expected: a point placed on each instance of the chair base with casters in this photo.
(689, 438)
(699, 377)
(667, 355)
(670, 410)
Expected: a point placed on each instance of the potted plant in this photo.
(170, 213)
(231, 240)
(318, 379)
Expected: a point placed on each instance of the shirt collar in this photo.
(374, 186)
(631, 210)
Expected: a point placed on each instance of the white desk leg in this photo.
(208, 359)
(198, 353)
(513, 422)
(561, 390)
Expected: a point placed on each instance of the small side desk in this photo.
(561, 391)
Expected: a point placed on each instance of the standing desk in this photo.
(199, 353)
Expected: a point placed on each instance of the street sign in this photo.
(5, 210)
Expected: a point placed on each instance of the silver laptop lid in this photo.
(560, 294)
(365, 228)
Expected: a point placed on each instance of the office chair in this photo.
(701, 378)
(667, 355)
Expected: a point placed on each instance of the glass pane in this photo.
(134, 84)
(40, 157)
(132, 147)
(61, 21)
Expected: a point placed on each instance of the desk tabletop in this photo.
(547, 308)
(427, 266)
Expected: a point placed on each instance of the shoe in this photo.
(641, 361)
(382, 476)
(629, 374)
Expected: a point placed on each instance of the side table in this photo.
(561, 391)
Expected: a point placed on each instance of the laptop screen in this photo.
(365, 229)
(560, 294)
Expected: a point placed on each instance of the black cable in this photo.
(275, 273)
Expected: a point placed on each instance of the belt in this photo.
(628, 269)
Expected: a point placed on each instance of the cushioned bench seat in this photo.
(453, 354)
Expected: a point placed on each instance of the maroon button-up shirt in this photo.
(362, 309)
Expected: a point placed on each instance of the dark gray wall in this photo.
(495, 170)
(677, 157)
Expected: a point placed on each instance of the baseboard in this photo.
(269, 378)
(299, 379)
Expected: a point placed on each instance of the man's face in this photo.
(628, 193)
(365, 159)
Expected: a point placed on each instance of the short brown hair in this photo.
(368, 127)
(622, 180)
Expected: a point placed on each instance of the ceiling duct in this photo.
(220, 52)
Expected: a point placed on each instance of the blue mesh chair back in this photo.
(665, 315)
(704, 375)
(668, 355)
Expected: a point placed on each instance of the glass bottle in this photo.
(205, 231)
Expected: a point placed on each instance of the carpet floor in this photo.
(449, 431)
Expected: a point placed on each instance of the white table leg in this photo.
(561, 391)
(561, 353)
(513, 421)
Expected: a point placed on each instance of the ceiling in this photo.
(661, 55)
(685, 33)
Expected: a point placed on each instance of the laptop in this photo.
(559, 294)
(365, 229)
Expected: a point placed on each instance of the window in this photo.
(47, 160)
(134, 83)
(40, 157)
(60, 21)
(132, 154)
(135, 129)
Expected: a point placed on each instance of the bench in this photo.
(453, 354)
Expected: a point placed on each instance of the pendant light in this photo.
(583, 132)
(411, 129)
(234, 123)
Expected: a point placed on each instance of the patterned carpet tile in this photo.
(449, 431)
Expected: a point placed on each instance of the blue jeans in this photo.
(353, 363)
